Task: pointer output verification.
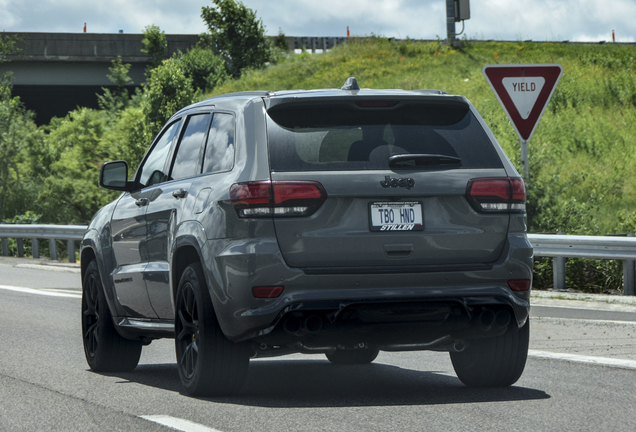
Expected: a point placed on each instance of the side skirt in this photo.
(145, 329)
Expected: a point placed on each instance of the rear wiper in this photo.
(410, 160)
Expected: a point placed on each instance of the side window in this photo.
(219, 152)
(152, 169)
(186, 162)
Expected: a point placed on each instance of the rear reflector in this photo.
(267, 291)
(519, 285)
(279, 199)
(497, 195)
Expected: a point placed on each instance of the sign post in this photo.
(524, 92)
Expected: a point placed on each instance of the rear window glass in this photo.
(343, 136)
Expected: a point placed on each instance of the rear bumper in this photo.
(233, 267)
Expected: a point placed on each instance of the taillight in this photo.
(279, 198)
(497, 195)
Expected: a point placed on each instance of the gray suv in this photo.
(337, 222)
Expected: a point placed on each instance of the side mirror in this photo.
(114, 175)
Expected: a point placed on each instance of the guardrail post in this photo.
(20, 243)
(52, 249)
(70, 247)
(5, 246)
(558, 270)
(628, 275)
(35, 248)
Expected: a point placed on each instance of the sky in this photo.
(538, 20)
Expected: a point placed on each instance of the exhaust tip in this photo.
(313, 324)
(503, 318)
(292, 324)
(486, 319)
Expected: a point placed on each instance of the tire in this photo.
(353, 356)
(209, 364)
(493, 362)
(104, 348)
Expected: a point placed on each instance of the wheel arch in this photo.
(189, 249)
(91, 250)
(186, 252)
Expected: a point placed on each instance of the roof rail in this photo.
(261, 93)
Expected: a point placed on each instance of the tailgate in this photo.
(395, 173)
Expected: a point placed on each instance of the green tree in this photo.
(128, 138)
(8, 46)
(166, 91)
(70, 192)
(206, 69)
(117, 100)
(281, 41)
(17, 130)
(236, 34)
(155, 44)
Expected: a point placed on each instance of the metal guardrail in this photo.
(560, 247)
(70, 233)
(313, 43)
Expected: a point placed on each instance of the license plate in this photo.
(396, 216)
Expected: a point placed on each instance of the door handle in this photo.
(142, 202)
(179, 193)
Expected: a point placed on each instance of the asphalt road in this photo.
(45, 384)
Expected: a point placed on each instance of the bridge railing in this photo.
(557, 246)
(70, 233)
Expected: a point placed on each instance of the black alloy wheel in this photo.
(104, 348)
(90, 315)
(209, 364)
(188, 331)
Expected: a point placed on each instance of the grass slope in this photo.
(582, 155)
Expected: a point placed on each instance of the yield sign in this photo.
(524, 92)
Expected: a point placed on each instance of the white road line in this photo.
(45, 267)
(604, 361)
(585, 320)
(178, 424)
(619, 308)
(40, 292)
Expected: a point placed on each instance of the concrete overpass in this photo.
(56, 72)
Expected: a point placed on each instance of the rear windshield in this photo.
(344, 136)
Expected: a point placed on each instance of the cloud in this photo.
(551, 20)
(101, 16)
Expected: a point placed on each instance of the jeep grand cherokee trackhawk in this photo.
(339, 222)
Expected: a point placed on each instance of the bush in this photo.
(203, 67)
(166, 92)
